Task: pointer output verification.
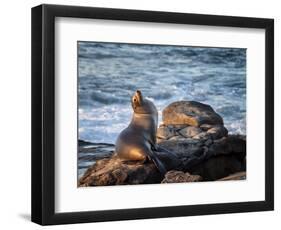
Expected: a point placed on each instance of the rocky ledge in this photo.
(193, 131)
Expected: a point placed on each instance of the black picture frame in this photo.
(43, 114)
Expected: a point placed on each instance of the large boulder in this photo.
(190, 119)
(211, 159)
(191, 113)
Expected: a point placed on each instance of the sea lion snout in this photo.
(137, 99)
(138, 95)
(142, 105)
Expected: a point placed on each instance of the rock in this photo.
(230, 144)
(183, 148)
(235, 176)
(83, 143)
(177, 138)
(180, 177)
(220, 146)
(213, 160)
(190, 131)
(218, 167)
(89, 153)
(178, 127)
(208, 142)
(217, 131)
(114, 171)
(191, 113)
(205, 127)
(165, 132)
(191, 152)
(202, 136)
(237, 143)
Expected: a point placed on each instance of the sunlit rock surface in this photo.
(190, 113)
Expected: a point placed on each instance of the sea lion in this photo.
(137, 142)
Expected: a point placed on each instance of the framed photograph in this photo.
(142, 114)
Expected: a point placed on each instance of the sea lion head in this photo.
(141, 105)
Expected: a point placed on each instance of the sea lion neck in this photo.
(144, 120)
(141, 115)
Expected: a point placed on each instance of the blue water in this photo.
(109, 73)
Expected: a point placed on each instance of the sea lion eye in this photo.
(135, 99)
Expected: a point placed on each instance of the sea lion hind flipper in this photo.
(161, 149)
(158, 148)
(170, 160)
(159, 165)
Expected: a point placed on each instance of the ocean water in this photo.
(109, 73)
